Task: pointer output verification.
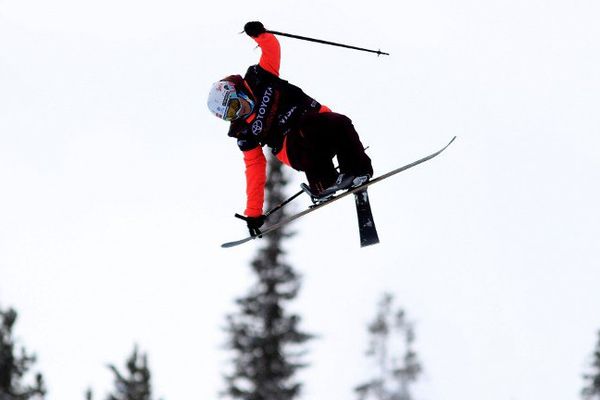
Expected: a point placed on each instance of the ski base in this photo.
(366, 223)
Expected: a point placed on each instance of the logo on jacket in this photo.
(285, 117)
(257, 125)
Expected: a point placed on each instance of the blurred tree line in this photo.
(265, 339)
(19, 382)
(16, 382)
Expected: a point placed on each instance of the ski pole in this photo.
(283, 203)
(277, 207)
(378, 52)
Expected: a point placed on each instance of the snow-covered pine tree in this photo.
(591, 390)
(15, 365)
(264, 337)
(135, 383)
(396, 365)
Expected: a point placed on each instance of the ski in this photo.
(366, 224)
(363, 187)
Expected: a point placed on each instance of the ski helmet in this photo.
(224, 101)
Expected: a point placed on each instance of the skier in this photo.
(264, 109)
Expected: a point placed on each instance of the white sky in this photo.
(117, 187)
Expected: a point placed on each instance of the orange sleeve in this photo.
(256, 177)
(270, 58)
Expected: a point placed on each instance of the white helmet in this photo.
(224, 101)
(218, 98)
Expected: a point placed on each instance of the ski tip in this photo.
(238, 242)
(233, 244)
(448, 145)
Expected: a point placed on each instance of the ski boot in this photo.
(343, 182)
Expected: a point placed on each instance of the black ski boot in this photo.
(343, 182)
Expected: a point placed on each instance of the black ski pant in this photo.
(321, 136)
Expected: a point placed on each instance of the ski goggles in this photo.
(234, 109)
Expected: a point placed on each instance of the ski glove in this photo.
(254, 28)
(254, 223)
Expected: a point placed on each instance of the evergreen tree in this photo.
(15, 365)
(395, 369)
(592, 389)
(135, 385)
(265, 338)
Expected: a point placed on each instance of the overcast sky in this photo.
(117, 187)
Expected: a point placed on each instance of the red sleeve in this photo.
(256, 176)
(271, 52)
